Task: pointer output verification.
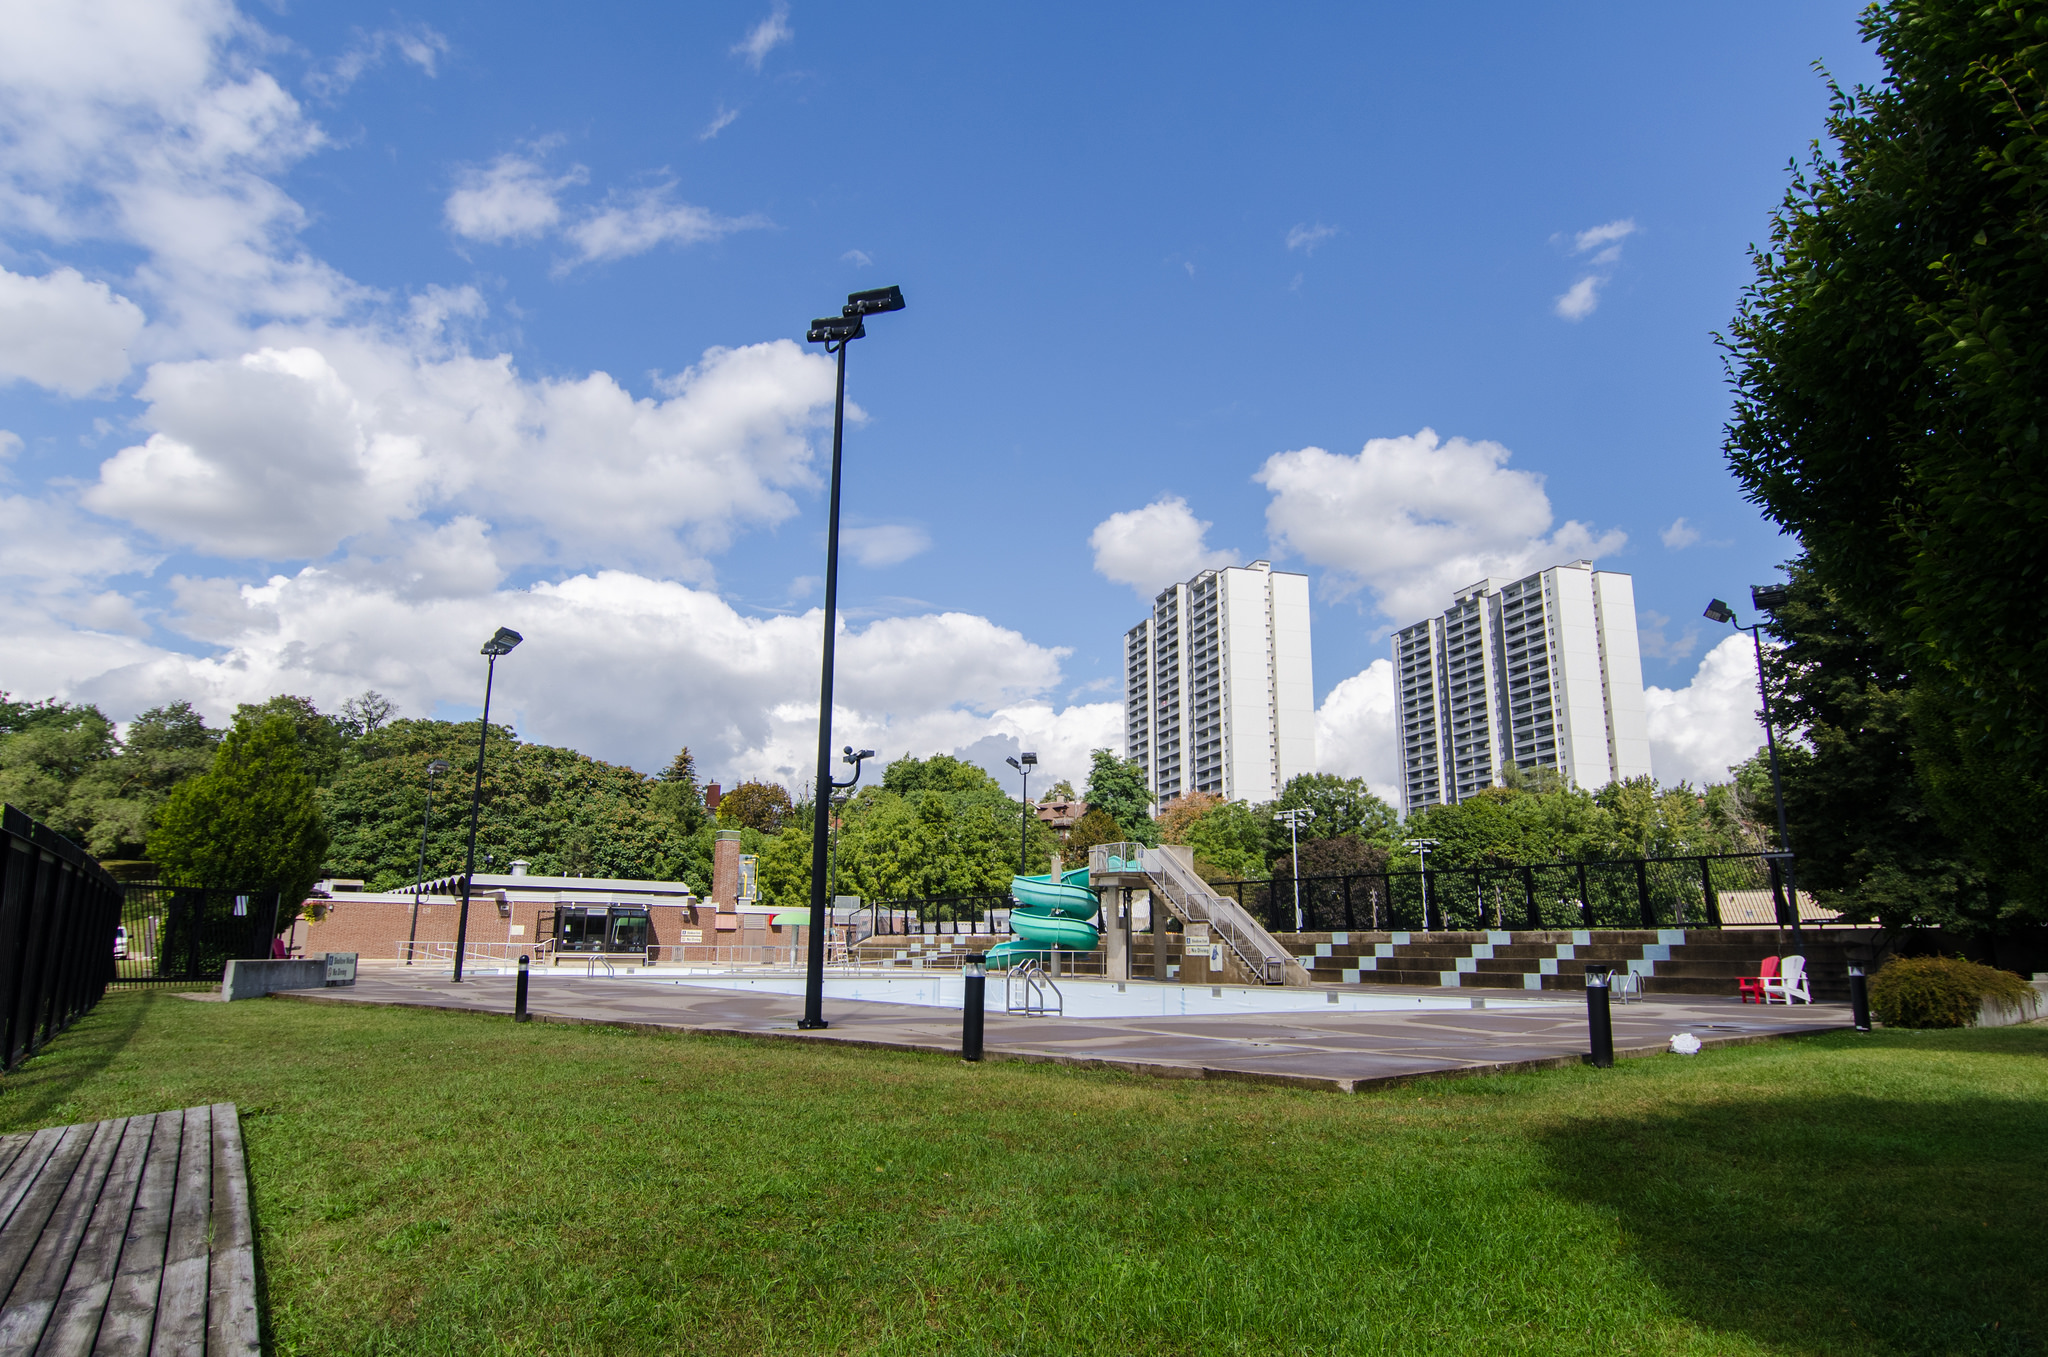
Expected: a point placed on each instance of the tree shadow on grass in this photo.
(1838, 1224)
(33, 1094)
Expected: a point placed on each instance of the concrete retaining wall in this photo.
(1996, 1013)
(254, 979)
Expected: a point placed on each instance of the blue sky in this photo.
(332, 289)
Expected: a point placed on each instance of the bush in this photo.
(1938, 991)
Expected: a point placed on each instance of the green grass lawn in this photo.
(438, 1183)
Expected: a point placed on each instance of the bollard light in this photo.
(976, 988)
(519, 993)
(1859, 997)
(1599, 1021)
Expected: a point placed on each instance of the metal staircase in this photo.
(1174, 883)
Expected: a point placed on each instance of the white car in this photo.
(120, 942)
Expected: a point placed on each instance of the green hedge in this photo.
(1933, 991)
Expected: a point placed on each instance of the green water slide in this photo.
(1049, 913)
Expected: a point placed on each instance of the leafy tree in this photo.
(323, 740)
(1342, 805)
(1230, 841)
(755, 805)
(1345, 855)
(52, 746)
(1890, 363)
(939, 773)
(1062, 790)
(1091, 829)
(564, 812)
(1117, 788)
(366, 714)
(252, 819)
(1179, 815)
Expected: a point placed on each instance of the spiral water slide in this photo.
(1049, 912)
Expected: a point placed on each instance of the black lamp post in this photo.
(435, 768)
(854, 757)
(835, 333)
(500, 644)
(1765, 597)
(1024, 766)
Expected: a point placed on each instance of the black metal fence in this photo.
(1687, 892)
(183, 935)
(58, 914)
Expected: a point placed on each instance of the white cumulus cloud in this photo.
(512, 198)
(885, 544)
(637, 222)
(1413, 519)
(1699, 731)
(64, 331)
(1679, 535)
(1155, 546)
(1355, 735)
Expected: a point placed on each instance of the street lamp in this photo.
(1030, 761)
(835, 333)
(1421, 847)
(1766, 597)
(501, 643)
(435, 768)
(854, 757)
(1294, 819)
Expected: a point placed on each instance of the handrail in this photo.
(1035, 982)
(1256, 949)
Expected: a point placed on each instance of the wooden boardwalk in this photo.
(128, 1236)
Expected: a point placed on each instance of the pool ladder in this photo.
(1030, 978)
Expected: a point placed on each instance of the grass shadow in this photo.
(1833, 1224)
(32, 1093)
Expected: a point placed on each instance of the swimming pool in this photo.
(1090, 998)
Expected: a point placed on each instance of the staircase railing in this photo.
(1257, 950)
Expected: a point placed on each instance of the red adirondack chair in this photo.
(1751, 987)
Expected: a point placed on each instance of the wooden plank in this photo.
(75, 1323)
(21, 1174)
(39, 1198)
(11, 1148)
(41, 1282)
(231, 1329)
(181, 1299)
(131, 1307)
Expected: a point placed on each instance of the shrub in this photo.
(1935, 991)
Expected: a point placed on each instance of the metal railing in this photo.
(1190, 897)
(1699, 891)
(58, 913)
(1024, 991)
(939, 916)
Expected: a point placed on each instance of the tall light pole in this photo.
(1421, 847)
(1029, 762)
(1766, 597)
(1294, 820)
(835, 333)
(854, 757)
(501, 643)
(435, 768)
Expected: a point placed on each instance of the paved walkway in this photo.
(1339, 1051)
(128, 1236)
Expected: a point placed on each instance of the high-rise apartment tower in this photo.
(1544, 672)
(1218, 692)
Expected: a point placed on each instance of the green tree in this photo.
(939, 773)
(1230, 841)
(677, 795)
(755, 805)
(1890, 364)
(52, 745)
(1117, 788)
(116, 800)
(323, 740)
(1342, 805)
(252, 819)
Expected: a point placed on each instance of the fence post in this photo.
(1533, 915)
(1707, 888)
(1585, 899)
(1777, 890)
(1643, 907)
(1349, 922)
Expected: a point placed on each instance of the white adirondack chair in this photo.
(1789, 983)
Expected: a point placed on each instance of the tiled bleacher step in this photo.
(1669, 961)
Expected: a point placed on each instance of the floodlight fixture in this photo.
(1718, 612)
(1030, 759)
(874, 301)
(836, 330)
(1770, 597)
(437, 767)
(501, 643)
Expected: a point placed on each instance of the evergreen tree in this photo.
(250, 820)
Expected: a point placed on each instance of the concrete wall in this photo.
(254, 979)
(376, 926)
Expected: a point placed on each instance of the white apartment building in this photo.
(1219, 695)
(1543, 672)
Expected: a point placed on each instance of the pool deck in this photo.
(1338, 1051)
